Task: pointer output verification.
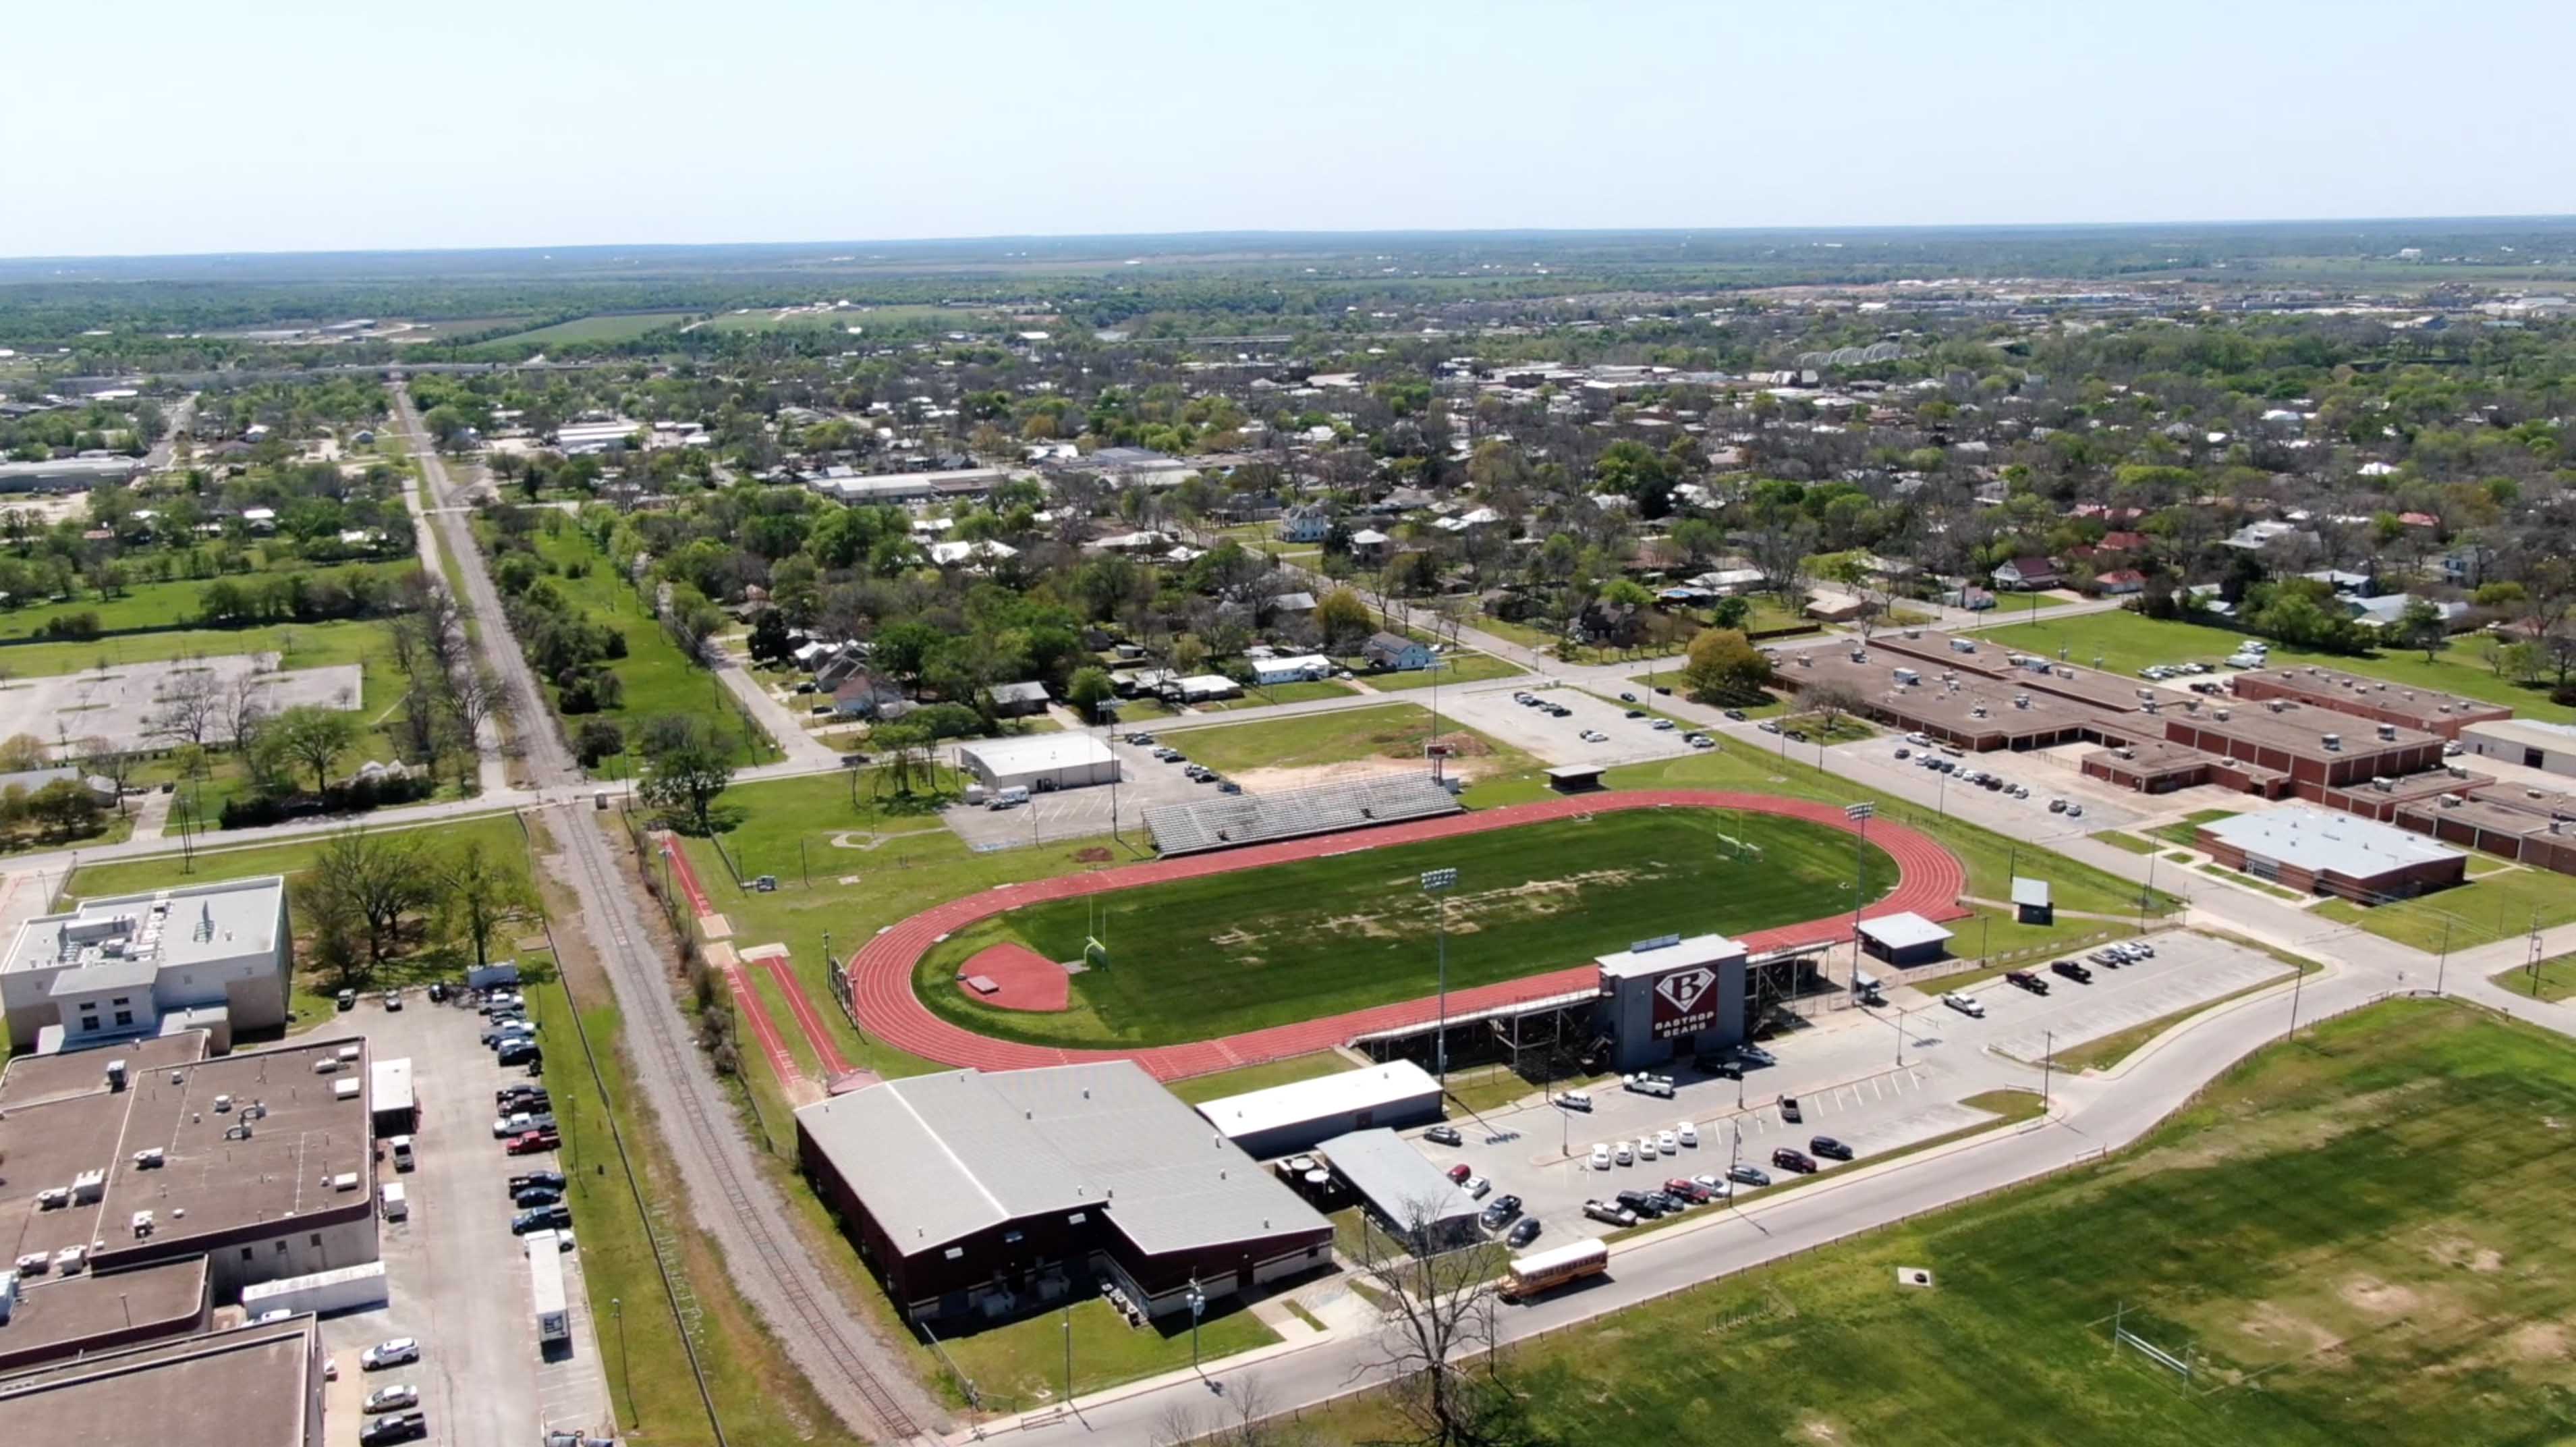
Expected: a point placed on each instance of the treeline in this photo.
(296, 598)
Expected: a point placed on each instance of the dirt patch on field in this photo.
(2462, 1252)
(2540, 1341)
(2275, 1327)
(1094, 855)
(2377, 1297)
(2249, 1134)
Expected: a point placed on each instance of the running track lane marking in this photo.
(1930, 880)
(762, 1028)
(686, 873)
(834, 1066)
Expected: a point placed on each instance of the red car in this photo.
(530, 1142)
(1460, 1173)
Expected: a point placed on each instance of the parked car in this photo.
(1789, 1109)
(1829, 1148)
(533, 1142)
(2057, 806)
(1501, 1209)
(1748, 1175)
(1717, 1187)
(1668, 1143)
(543, 1218)
(1608, 1214)
(1686, 1189)
(532, 1196)
(552, 1180)
(393, 1353)
(1768, 727)
(1628, 698)
(1600, 1158)
(1574, 1100)
(1525, 1231)
(1964, 1003)
(1476, 1187)
(393, 999)
(387, 1399)
(1634, 713)
(1641, 1202)
(1686, 1133)
(1903, 752)
(1735, 715)
(394, 1427)
(2074, 811)
(1446, 1135)
(2072, 971)
(1460, 1172)
(1793, 1160)
(1625, 1153)
(2026, 980)
(346, 999)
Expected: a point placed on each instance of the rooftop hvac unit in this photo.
(2276, 705)
(2452, 801)
(223, 1103)
(2128, 752)
(142, 1224)
(2333, 743)
(150, 1159)
(88, 1186)
(2219, 714)
(2021, 700)
(2388, 731)
(345, 1181)
(2382, 784)
(116, 1075)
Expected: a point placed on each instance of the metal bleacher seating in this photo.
(1236, 819)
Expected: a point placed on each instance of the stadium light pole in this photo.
(1435, 883)
(1860, 815)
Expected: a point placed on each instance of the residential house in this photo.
(1368, 546)
(1019, 700)
(1397, 652)
(865, 695)
(1306, 523)
(2120, 581)
(2028, 573)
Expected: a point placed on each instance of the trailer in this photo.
(1545, 1271)
(349, 1288)
(546, 1288)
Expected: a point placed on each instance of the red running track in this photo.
(688, 875)
(763, 1028)
(799, 1004)
(1930, 881)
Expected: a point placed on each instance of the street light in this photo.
(1198, 1308)
(1859, 814)
(1435, 883)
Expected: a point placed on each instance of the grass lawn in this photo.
(2129, 842)
(2186, 830)
(2499, 906)
(1215, 955)
(2128, 641)
(659, 679)
(146, 607)
(1261, 1077)
(1393, 732)
(2556, 979)
(2358, 1236)
(2259, 886)
(1452, 668)
(1846, 728)
(1302, 691)
(1021, 1365)
(605, 327)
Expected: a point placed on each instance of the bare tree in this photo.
(379, 878)
(100, 756)
(245, 703)
(192, 704)
(1829, 702)
(473, 698)
(1439, 1308)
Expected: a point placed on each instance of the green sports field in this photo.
(1198, 958)
(2359, 1236)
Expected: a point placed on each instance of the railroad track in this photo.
(780, 1261)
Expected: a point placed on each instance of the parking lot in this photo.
(2048, 774)
(458, 1279)
(2187, 970)
(1560, 740)
(1081, 813)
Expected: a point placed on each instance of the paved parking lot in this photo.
(1559, 740)
(1081, 813)
(2187, 970)
(459, 1280)
(2047, 775)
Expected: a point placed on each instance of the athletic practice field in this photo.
(1225, 953)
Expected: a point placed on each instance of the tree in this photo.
(2419, 625)
(192, 703)
(315, 738)
(599, 739)
(686, 773)
(1829, 701)
(1438, 1307)
(21, 752)
(769, 637)
(481, 894)
(100, 756)
(332, 922)
(1731, 611)
(378, 878)
(902, 742)
(1343, 619)
(1088, 690)
(1725, 668)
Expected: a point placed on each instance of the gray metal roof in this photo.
(2032, 892)
(1374, 1088)
(936, 1157)
(1680, 954)
(2317, 841)
(1903, 931)
(1397, 1179)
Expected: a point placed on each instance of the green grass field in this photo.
(2359, 1236)
(2554, 980)
(1392, 732)
(1261, 1077)
(1302, 691)
(2127, 642)
(605, 327)
(145, 607)
(1226, 953)
(2498, 906)
(1453, 668)
(660, 680)
(2129, 842)
(2186, 830)
(1020, 1366)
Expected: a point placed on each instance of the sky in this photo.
(177, 126)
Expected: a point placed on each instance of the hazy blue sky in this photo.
(182, 126)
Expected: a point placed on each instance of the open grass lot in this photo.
(301, 645)
(2359, 1234)
(1212, 956)
(148, 607)
(1463, 667)
(1020, 1366)
(1259, 696)
(2554, 980)
(1393, 732)
(2129, 842)
(660, 680)
(605, 327)
(2499, 906)
(2186, 830)
(2128, 641)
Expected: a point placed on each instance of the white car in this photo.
(1687, 1133)
(1667, 1143)
(506, 1126)
(386, 1399)
(1920, 741)
(1625, 1154)
(1719, 1188)
(392, 1353)
(1476, 1187)
(1964, 1003)
(1645, 1148)
(1600, 1158)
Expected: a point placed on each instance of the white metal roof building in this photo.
(1906, 938)
(974, 1192)
(1067, 760)
(1296, 1116)
(2320, 850)
(1402, 1189)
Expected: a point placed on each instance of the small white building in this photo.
(1304, 668)
(1064, 760)
(2532, 743)
(216, 957)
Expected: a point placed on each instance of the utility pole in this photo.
(2047, 1064)
(1900, 1037)
(1435, 883)
(2442, 970)
(1860, 815)
(2297, 982)
(1198, 1308)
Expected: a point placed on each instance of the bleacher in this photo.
(1234, 819)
